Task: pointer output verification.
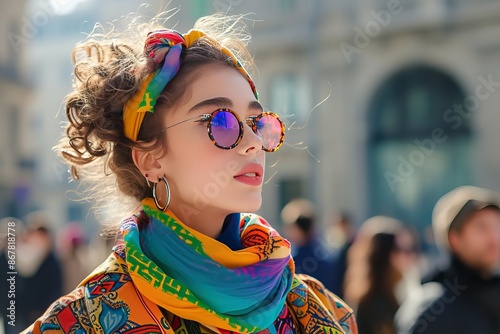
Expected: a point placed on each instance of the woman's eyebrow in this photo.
(255, 105)
(214, 102)
(220, 102)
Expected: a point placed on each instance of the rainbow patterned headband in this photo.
(164, 46)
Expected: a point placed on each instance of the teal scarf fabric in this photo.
(249, 297)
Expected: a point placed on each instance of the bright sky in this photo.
(63, 7)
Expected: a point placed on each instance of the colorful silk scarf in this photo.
(199, 278)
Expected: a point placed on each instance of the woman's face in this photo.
(204, 179)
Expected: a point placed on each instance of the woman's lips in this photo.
(251, 174)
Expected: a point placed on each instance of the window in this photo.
(289, 189)
(290, 97)
(414, 154)
(75, 212)
(14, 128)
(287, 5)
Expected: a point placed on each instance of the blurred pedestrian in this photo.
(310, 253)
(74, 254)
(380, 273)
(466, 223)
(39, 269)
(341, 235)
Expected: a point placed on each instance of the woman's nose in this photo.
(250, 141)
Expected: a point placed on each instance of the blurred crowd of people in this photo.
(399, 283)
(393, 279)
(48, 264)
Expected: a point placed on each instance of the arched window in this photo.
(418, 147)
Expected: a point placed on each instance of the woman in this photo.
(190, 261)
(379, 274)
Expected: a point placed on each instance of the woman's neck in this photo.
(208, 221)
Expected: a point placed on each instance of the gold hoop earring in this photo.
(167, 191)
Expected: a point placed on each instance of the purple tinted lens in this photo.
(269, 130)
(225, 128)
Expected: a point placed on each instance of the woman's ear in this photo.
(454, 240)
(147, 163)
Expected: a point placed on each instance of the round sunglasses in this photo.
(226, 130)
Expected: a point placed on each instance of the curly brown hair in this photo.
(108, 70)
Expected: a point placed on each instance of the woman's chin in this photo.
(248, 205)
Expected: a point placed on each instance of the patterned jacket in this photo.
(107, 301)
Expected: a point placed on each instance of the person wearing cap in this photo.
(466, 223)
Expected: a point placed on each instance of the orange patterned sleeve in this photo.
(50, 322)
(342, 312)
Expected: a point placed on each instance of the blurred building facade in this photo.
(412, 88)
(16, 95)
(412, 111)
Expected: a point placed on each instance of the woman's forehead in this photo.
(220, 82)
